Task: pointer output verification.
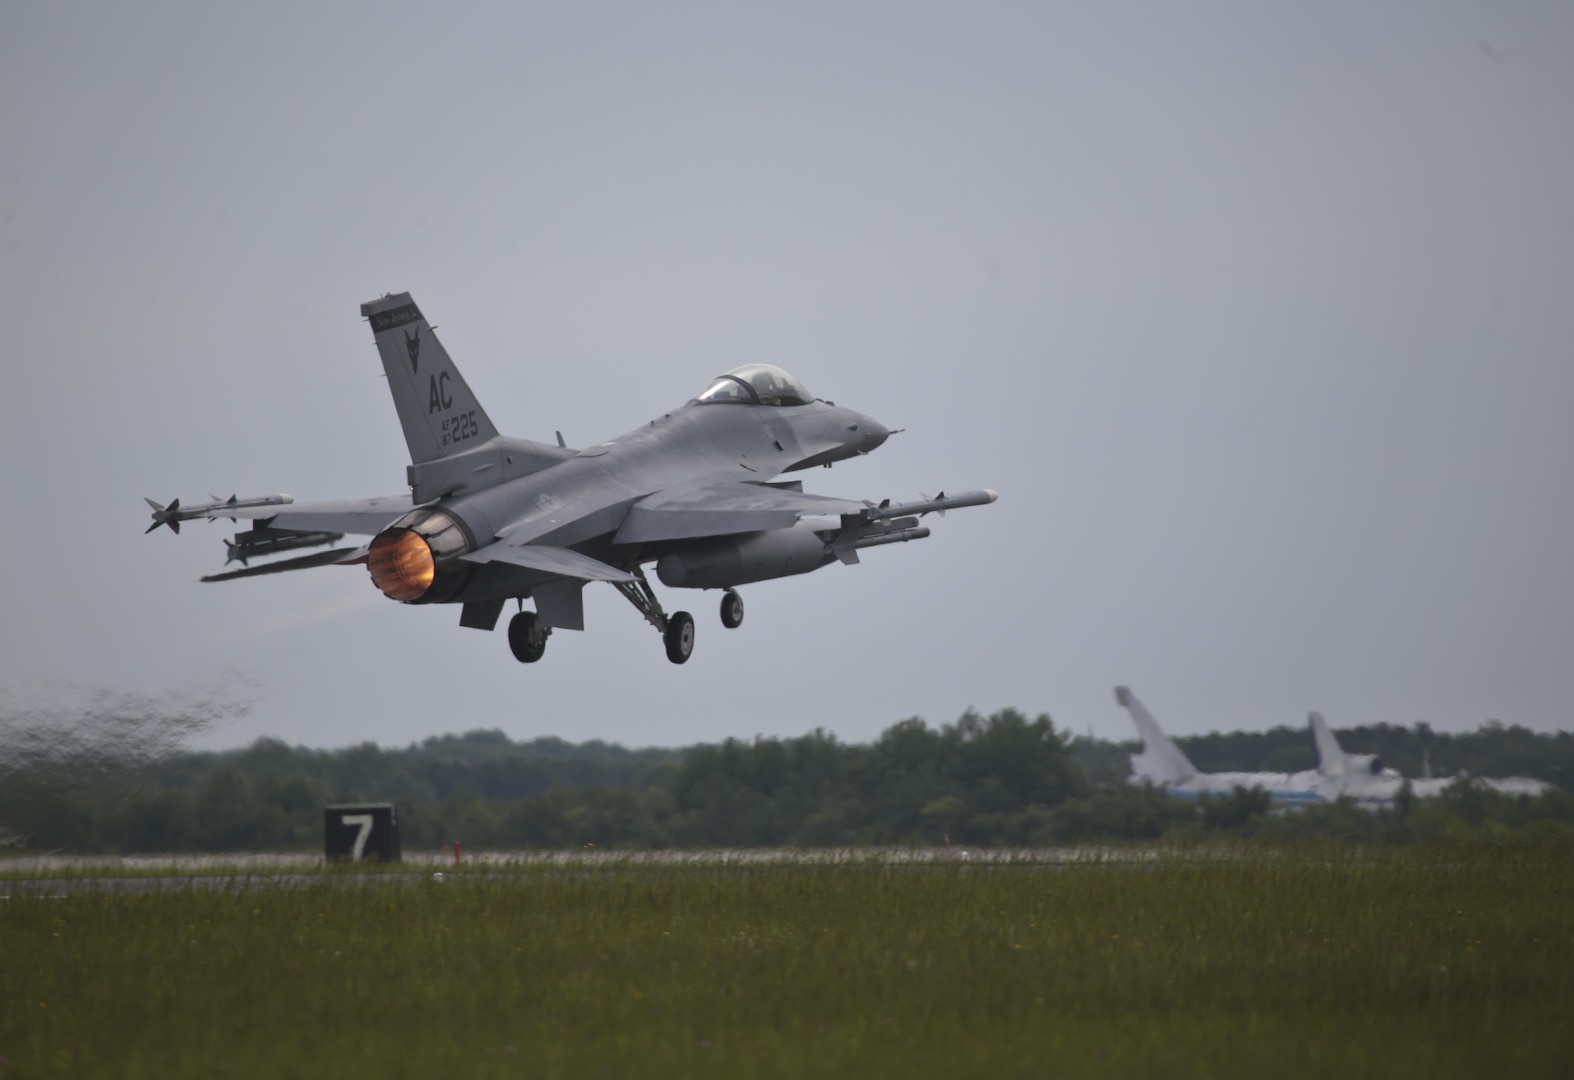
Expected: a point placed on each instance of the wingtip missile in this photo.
(163, 515)
(173, 514)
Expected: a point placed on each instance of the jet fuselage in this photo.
(581, 501)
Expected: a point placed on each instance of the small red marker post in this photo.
(456, 852)
(948, 844)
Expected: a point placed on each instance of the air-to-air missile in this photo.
(265, 541)
(173, 514)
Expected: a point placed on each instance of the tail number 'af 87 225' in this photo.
(458, 428)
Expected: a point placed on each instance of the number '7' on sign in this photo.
(364, 822)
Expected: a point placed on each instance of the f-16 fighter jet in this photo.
(489, 518)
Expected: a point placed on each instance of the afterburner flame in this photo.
(401, 564)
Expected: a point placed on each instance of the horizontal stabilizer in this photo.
(300, 562)
(552, 560)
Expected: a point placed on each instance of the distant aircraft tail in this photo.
(1161, 760)
(439, 413)
(1355, 772)
(1330, 758)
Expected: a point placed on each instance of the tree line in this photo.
(999, 780)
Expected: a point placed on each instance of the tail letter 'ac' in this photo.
(437, 410)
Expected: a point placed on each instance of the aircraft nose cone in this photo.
(873, 432)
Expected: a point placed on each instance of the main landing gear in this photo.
(527, 637)
(679, 637)
(677, 630)
(731, 609)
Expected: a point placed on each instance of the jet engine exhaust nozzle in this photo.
(414, 560)
(402, 565)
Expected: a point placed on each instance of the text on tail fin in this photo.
(437, 409)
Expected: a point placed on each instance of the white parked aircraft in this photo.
(1161, 762)
(1364, 778)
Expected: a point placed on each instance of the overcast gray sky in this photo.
(1257, 316)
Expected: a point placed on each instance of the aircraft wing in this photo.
(365, 517)
(721, 509)
(552, 560)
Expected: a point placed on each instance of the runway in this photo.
(63, 875)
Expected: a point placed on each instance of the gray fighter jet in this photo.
(489, 518)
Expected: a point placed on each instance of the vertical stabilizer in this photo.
(439, 414)
(1361, 776)
(1161, 760)
(1330, 758)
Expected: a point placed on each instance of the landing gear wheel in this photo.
(679, 637)
(731, 610)
(528, 640)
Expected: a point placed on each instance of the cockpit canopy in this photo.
(755, 384)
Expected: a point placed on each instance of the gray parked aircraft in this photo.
(489, 519)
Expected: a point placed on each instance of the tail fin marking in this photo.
(437, 410)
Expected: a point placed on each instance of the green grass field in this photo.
(1313, 961)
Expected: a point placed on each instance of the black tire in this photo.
(679, 637)
(523, 639)
(731, 610)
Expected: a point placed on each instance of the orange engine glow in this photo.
(401, 564)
